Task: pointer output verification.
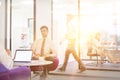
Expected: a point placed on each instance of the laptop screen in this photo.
(23, 56)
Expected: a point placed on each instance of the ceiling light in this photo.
(27, 2)
(0, 3)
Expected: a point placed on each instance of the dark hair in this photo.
(43, 27)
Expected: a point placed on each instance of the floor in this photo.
(93, 72)
(60, 77)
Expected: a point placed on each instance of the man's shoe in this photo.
(82, 69)
(36, 72)
(79, 67)
(43, 74)
(61, 69)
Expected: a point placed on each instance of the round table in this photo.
(34, 63)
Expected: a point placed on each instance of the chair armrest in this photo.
(55, 64)
(20, 73)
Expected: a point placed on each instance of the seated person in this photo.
(44, 47)
(95, 46)
(5, 59)
(7, 72)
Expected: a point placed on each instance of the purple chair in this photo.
(20, 73)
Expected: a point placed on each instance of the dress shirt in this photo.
(5, 59)
(49, 48)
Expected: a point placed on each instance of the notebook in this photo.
(23, 56)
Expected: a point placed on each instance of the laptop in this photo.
(24, 56)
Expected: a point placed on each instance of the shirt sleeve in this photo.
(53, 48)
(33, 46)
(36, 47)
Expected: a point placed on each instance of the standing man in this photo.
(71, 38)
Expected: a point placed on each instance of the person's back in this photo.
(5, 59)
(98, 47)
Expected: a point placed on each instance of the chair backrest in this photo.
(20, 73)
(2, 68)
(4, 75)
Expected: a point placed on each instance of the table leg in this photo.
(44, 74)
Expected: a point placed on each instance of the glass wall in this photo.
(65, 13)
(86, 17)
(101, 16)
(20, 24)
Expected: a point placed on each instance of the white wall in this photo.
(43, 15)
(2, 23)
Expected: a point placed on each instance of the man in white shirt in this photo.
(5, 59)
(48, 49)
(44, 48)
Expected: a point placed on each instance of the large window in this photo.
(100, 16)
(85, 16)
(64, 13)
(20, 24)
(95, 16)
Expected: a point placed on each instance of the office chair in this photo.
(91, 54)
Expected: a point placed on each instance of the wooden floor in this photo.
(106, 71)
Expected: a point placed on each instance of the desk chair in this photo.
(91, 54)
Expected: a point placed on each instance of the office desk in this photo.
(113, 55)
(35, 63)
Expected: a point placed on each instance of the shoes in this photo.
(43, 74)
(79, 67)
(61, 69)
(82, 69)
(36, 72)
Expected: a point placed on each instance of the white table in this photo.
(34, 63)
